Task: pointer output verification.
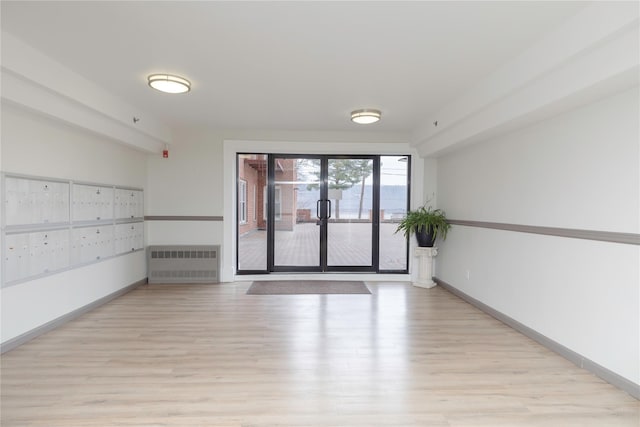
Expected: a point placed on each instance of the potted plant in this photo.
(426, 224)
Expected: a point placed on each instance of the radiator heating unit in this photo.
(183, 264)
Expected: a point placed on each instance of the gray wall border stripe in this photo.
(53, 324)
(603, 236)
(600, 371)
(182, 218)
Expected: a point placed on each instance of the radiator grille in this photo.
(183, 264)
(183, 254)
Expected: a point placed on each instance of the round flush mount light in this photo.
(169, 84)
(366, 116)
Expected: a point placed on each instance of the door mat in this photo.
(306, 287)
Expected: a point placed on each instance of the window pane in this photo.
(296, 235)
(252, 224)
(277, 203)
(393, 207)
(242, 201)
(350, 227)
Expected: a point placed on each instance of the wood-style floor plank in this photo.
(209, 355)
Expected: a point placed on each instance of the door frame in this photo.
(271, 228)
(375, 220)
(323, 265)
(422, 184)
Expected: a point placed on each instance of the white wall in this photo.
(198, 178)
(32, 79)
(577, 170)
(187, 183)
(593, 53)
(36, 145)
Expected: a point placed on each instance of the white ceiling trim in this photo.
(34, 81)
(594, 53)
(33, 97)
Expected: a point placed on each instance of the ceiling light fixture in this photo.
(365, 117)
(169, 84)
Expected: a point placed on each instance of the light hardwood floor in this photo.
(209, 355)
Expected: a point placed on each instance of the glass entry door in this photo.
(321, 213)
(294, 194)
(350, 223)
(316, 213)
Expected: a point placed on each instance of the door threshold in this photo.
(369, 277)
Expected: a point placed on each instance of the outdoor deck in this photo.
(348, 244)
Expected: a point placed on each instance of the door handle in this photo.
(329, 211)
(318, 209)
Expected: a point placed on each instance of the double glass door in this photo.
(314, 226)
(317, 213)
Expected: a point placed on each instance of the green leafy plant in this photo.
(425, 220)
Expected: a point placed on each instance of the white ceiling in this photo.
(286, 65)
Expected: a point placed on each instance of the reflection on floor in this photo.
(348, 244)
(209, 355)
